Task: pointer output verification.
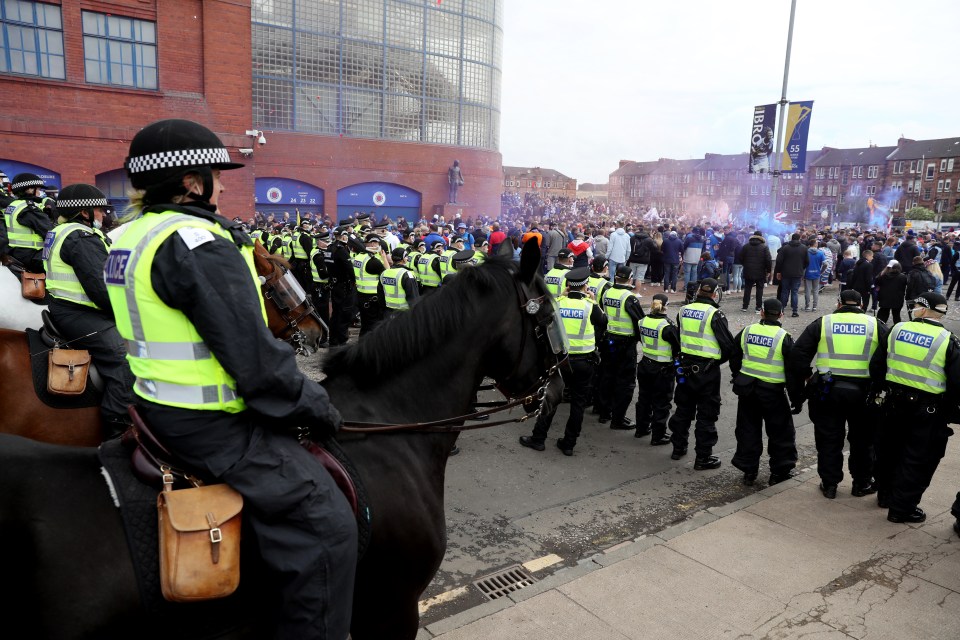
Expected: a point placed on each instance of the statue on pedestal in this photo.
(454, 179)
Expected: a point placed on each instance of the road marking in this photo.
(446, 596)
(542, 563)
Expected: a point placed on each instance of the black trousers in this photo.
(698, 397)
(343, 297)
(301, 271)
(748, 285)
(577, 380)
(765, 406)
(655, 383)
(107, 349)
(910, 445)
(843, 414)
(321, 302)
(371, 312)
(304, 528)
(617, 378)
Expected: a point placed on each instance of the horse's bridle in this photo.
(542, 310)
(282, 288)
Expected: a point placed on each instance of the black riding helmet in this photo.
(165, 151)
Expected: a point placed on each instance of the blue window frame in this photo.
(31, 39)
(119, 51)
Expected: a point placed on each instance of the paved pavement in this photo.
(782, 563)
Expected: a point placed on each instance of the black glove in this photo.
(795, 409)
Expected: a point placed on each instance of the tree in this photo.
(920, 213)
(952, 217)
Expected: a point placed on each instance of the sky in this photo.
(589, 83)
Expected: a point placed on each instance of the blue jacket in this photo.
(816, 264)
(708, 269)
(692, 248)
(671, 248)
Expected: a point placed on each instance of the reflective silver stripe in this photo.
(663, 352)
(70, 295)
(938, 384)
(853, 373)
(185, 394)
(779, 376)
(168, 350)
(770, 350)
(703, 348)
(62, 275)
(136, 324)
(831, 352)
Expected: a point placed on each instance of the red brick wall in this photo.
(204, 51)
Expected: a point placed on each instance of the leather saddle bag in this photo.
(199, 541)
(33, 286)
(67, 370)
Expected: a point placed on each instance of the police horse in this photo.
(290, 317)
(67, 567)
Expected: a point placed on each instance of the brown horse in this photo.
(290, 316)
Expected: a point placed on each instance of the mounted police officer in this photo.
(583, 321)
(921, 373)
(397, 284)
(320, 278)
(555, 277)
(26, 222)
(841, 344)
(618, 351)
(660, 346)
(215, 385)
(705, 344)
(74, 254)
(367, 267)
(761, 382)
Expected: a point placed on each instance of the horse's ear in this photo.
(505, 249)
(529, 260)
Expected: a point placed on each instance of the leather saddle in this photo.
(150, 461)
(52, 338)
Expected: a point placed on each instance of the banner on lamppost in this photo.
(761, 138)
(795, 140)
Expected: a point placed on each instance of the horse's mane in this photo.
(432, 325)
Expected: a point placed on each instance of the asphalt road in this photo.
(508, 505)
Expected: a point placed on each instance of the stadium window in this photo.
(119, 51)
(31, 39)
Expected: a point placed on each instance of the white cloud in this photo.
(586, 84)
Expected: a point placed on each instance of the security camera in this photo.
(261, 140)
(246, 153)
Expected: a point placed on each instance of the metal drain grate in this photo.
(503, 582)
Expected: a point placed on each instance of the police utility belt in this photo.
(908, 395)
(692, 365)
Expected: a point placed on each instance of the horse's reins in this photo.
(297, 337)
(449, 425)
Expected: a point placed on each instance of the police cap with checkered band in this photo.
(75, 198)
(163, 152)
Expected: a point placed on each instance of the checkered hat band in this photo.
(82, 203)
(180, 158)
(26, 183)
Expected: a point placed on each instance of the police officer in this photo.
(618, 351)
(599, 280)
(921, 370)
(367, 267)
(417, 248)
(74, 254)
(583, 321)
(554, 278)
(321, 280)
(705, 344)
(343, 289)
(301, 246)
(428, 266)
(480, 252)
(397, 284)
(459, 260)
(660, 347)
(211, 403)
(26, 223)
(840, 344)
(446, 256)
(760, 381)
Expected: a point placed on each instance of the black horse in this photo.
(67, 571)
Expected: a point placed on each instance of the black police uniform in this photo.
(913, 433)
(343, 292)
(618, 355)
(290, 500)
(95, 329)
(36, 219)
(838, 409)
(655, 385)
(371, 305)
(764, 404)
(321, 290)
(300, 266)
(698, 395)
(577, 379)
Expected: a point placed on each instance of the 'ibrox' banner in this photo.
(795, 141)
(761, 138)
